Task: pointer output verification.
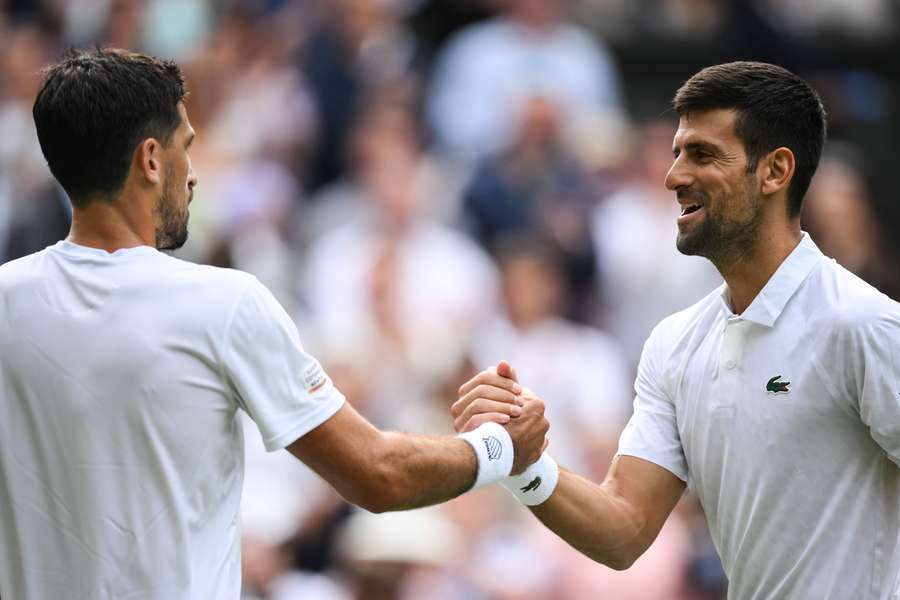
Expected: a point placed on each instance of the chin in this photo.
(690, 245)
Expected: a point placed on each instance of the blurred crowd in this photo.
(430, 186)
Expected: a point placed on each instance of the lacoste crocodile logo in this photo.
(532, 485)
(778, 387)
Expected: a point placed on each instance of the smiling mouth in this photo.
(689, 208)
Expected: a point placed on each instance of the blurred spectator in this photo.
(382, 124)
(580, 372)
(360, 50)
(628, 19)
(862, 19)
(169, 28)
(393, 291)
(537, 186)
(643, 277)
(33, 208)
(488, 72)
(838, 214)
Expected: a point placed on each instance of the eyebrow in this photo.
(698, 146)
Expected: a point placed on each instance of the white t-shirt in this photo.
(121, 454)
(785, 421)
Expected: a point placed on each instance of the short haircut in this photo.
(775, 108)
(94, 108)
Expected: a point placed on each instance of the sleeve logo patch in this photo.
(493, 446)
(314, 378)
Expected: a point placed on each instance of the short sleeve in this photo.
(283, 389)
(652, 431)
(874, 354)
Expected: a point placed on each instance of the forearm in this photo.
(596, 520)
(423, 470)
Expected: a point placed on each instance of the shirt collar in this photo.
(771, 300)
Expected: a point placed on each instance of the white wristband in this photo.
(494, 449)
(536, 484)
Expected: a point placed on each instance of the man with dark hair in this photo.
(122, 370)
(776, 397)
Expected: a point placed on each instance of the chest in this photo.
(754, 394)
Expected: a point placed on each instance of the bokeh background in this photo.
(431, 185)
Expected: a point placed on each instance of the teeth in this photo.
(689, 207)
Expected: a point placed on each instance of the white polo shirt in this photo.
(121, 454)
(785, 421)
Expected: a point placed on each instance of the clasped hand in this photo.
(495, 395)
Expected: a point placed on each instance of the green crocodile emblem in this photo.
(777, 387)
(532, 485)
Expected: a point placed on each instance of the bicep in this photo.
(647, 489)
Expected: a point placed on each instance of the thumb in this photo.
(504, 369)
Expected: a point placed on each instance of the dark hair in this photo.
(775, 108)
(94, 108)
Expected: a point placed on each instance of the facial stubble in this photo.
(723, 239)
(171, 218)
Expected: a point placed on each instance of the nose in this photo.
(192, 179)
(678, 176)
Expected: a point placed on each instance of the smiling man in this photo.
(776, 398)
(122, 371)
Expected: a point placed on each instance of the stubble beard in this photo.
(172, 221)
(725, 241)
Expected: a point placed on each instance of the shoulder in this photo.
(14, 270)
(847, 305)
(206, 279)
(23, 273)
(687, 323)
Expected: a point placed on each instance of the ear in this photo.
(777, 169)
(148, 160)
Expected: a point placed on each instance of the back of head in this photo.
(94, 108)
(775, 107)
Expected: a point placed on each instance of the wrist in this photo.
(493, 451)
(536, 483)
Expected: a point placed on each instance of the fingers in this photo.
(491, 377)
(504, 369)
(488, 392)
(481, 419)
(483, 405)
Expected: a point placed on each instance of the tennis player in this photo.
(122, 371)
(776, 398)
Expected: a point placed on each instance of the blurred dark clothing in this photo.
(37, 223)
(328, 65)
(550, 198)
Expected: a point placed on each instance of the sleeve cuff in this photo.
(327, 409)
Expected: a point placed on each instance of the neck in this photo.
(746, 275)
(111, 225)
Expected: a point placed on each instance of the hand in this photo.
(529, 434)
(492, 395)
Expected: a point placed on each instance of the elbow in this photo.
(622, 562)
(620, 559)
(633, 543)
(379, 489)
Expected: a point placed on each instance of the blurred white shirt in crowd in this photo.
(643, 277)
(485, 75)
(580, 372)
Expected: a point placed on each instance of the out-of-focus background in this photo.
(431, 185)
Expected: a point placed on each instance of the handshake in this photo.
(505, 425)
